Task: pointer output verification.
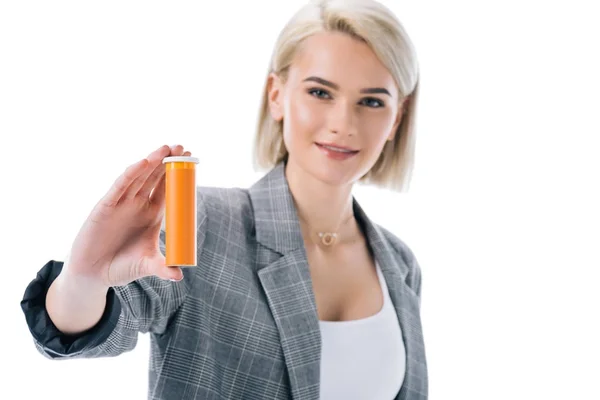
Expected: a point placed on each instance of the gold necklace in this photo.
(329, 238)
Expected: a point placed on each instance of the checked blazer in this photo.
(243, 324)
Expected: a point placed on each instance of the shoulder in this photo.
(219, 203)
(223, 198)
(406, 255)
(399, 246)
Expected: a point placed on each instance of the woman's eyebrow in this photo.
(332, 85)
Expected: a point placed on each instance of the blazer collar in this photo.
(287, 283)
(278, 226)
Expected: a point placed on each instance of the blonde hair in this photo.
(376, 25)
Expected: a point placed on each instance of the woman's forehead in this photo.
(341, 59)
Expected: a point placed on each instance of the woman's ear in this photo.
(275, 94)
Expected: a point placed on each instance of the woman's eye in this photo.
(370, 101)
(320, 93)
(375, 103)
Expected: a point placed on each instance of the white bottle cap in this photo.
(180, 159)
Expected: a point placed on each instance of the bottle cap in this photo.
(180, 159)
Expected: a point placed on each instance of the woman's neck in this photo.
(321, 207)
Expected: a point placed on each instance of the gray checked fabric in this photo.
(243, 324)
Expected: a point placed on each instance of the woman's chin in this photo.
(333, 176)
(331, 173)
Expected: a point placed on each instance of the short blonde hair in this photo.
(373, 23)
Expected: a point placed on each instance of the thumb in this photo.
(159, 268)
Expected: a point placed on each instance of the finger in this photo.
(159, 192)
(171, 273)
(157, 173)
(166, 272)
(123, 182)
(155, 266)
(154, 159)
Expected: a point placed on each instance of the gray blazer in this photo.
(243, 324)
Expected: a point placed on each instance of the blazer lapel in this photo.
(406, 304)
(285, 278)
(289, 292)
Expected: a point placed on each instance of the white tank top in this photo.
(363, 358)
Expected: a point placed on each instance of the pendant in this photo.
(328, 238)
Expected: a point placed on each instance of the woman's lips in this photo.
(335, 152)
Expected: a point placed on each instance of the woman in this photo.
(297, 294)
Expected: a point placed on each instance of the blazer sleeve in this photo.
(144, 305)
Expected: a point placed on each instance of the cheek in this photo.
(375, 129)
(303, 118)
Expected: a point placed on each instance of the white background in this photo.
(502, 212)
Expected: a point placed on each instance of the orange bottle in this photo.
(180, 214)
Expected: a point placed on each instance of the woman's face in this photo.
(339, 106)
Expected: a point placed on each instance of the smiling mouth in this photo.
(337, 149)
(336, 153)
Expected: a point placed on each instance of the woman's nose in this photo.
(342, 119)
